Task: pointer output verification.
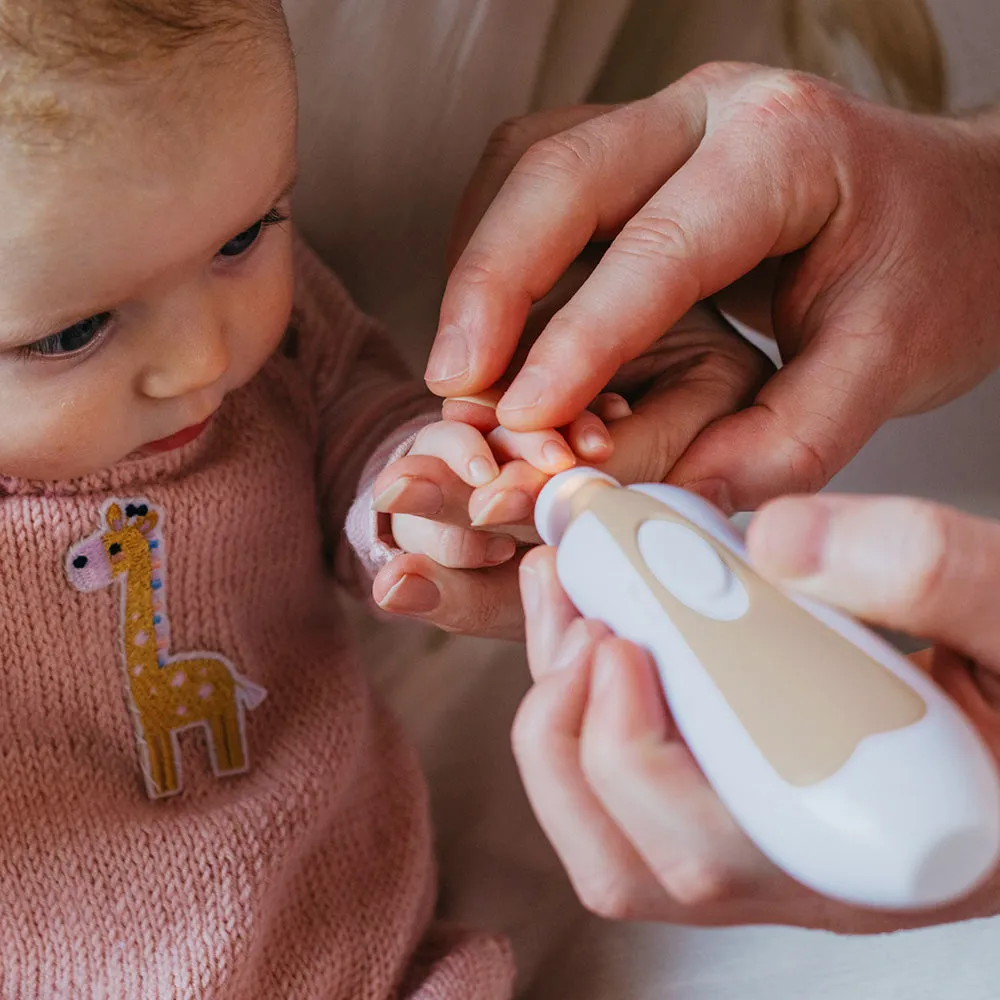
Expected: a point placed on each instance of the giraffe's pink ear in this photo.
(148, 524)
(114, 518)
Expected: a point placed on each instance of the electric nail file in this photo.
(845, 765)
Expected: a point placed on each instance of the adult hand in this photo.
(639, 830)
(698, 372)
(885, 299)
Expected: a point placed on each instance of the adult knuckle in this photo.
(931, 525)
(694, 881)
(509, 140)
(563, 157)
(607, 894)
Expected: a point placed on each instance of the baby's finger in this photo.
(479, 411)
(425, 486)
(462, 448)
(589, 438)
(510, 498)
(481, 602)
(547, 450)
(450, 545)
(610, 406)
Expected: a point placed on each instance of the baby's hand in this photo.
(460, 476)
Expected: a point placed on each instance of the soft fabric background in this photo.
(398, 100)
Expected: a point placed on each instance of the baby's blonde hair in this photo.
(48, 41)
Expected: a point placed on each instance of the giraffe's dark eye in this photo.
(80, 562)
(114, 549)
(143, 510)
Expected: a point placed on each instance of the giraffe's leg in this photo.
(231, 738)
(223, 753)
(156, 779)
(170, 783)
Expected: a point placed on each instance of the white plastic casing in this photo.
(912, 820)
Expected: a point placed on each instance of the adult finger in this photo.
(807, 422)
(904, 564)
(546, 450)
(483, 602)
(422, 485)
(651, 786)
(604, 868)
(509, 141)
(548, 612)
(567, 189)
(693, 237)
(682, 402)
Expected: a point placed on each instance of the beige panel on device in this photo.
(805, 695)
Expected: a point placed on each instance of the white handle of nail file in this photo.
(909, 820)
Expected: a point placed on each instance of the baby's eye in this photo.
(240, 244)
(71, 340)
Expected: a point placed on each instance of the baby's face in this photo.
(145, 271)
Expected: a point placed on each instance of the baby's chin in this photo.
(59, 467)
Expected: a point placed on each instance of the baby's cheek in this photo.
(44, 435)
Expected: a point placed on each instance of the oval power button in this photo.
(689, 567)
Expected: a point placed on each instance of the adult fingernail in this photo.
(557, 457)
(411, 595)
(527, 390)
(449, 359)
(482, 471)
(507, 507)
(410, 496)
(789, 538)
(576, 642)
(715, 491)
(500, 549)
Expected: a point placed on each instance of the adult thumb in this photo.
(905, 564)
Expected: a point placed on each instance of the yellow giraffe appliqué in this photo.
(168, 693)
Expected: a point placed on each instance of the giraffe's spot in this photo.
(137, 670)
(182, 710)
(205, 691)
(135, 616)
(179, 679)
(203, 671)
(141, 638)
(153, 692)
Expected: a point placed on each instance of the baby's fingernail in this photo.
(482, 471)
(527, 390)
(410, 496)
(500, 549)
(557, 457)
(596, 439)
(507, 507)
(450, 358)
(613, 407)
(411, 595)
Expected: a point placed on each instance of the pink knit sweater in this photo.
(166, 830)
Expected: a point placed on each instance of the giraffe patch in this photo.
(167, 692)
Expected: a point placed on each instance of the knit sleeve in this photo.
(368, 407)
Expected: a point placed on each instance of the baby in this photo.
(201, 797)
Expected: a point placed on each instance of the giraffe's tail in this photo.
(249, 693)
